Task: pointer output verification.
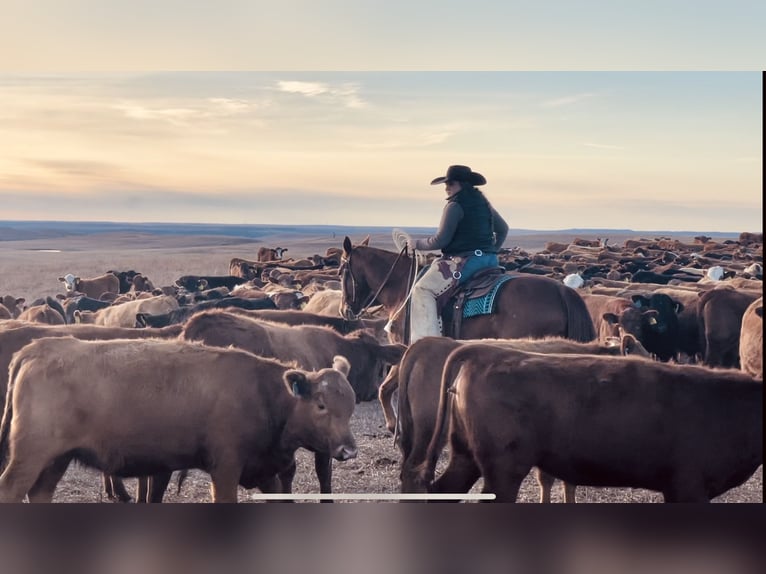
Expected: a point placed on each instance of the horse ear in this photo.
(347, 245)
(365, 241)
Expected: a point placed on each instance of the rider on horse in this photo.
(470, 234)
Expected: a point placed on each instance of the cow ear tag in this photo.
(652, 321)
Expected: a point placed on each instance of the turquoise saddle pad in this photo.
(483, 305)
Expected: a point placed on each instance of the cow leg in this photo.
(224, 481)
(45, 486)
(503, 476)
(18, 478)
(323, 469)
(274, 485)
(115, 488)
(286, 478)
(545, 481)
(158, 484)
(459, 476)
(569, 492)
(142, 489)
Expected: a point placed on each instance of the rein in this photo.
(374, 296)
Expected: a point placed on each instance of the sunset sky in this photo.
(646, 150)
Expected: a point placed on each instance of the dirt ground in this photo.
(30, 269)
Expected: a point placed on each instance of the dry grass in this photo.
(26, 270)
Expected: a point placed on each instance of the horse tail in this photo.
(579, 323)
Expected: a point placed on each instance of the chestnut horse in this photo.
(527, 306)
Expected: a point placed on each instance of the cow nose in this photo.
(345, 452)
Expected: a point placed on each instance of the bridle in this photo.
(345, 267)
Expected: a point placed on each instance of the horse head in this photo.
(354, 288)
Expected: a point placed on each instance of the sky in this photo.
(241, 115)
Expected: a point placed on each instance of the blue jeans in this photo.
(477, 262)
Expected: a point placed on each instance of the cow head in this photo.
(370, 361)
(325, 403)
(70, 282)
(192, 283)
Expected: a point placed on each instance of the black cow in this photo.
(660, 338)
(82, 303)
(180, 315)
(126, 279)
(194, 283)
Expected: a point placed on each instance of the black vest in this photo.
(475, 229)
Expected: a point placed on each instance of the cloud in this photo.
(566, 100)
(347, 94)
(184, 112)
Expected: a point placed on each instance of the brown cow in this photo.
(156, 406)
(269, 254)
(308, 346)
(326, 302)
(15, 305)
(719, 313)
(43, 314)
(689, 432)
(751, 339)
(93, 287)
(18, 334)
(292, 317)
(311, 346)
(418, 376)
(124, 314)
(615, 316)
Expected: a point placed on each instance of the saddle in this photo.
(474, 297)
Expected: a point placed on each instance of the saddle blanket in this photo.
(484, 304)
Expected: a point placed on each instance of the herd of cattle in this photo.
(232, 374)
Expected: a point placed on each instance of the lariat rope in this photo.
(413, 274)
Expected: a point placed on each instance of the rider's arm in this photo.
(500, 228)
(451, 216)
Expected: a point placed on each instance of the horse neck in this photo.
(378, 265)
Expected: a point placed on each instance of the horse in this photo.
(527, 306)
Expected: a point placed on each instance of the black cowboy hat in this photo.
(461, 173)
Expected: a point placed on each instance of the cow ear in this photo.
(202, 284)
(610, 318)
(298, 384)
(640, 301)
(347, 245)
(20, 301)
(341, 364)
(365, 241)
(62, 279)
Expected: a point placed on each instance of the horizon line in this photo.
(345, 226)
